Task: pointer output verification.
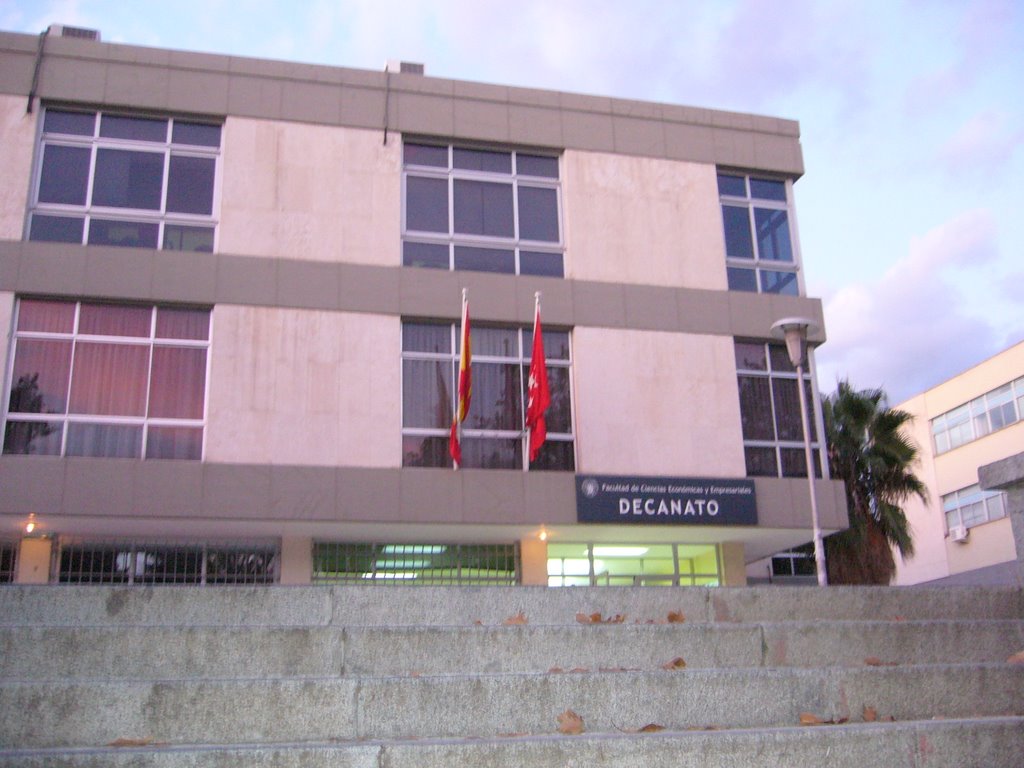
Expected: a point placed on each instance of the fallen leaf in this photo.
(512, 735)
(1017, 658)
(676, 617)
(477, 623)
(870, 714)
(518, 619)
(597, 618)
(676, 663)
(651, 728)
(555, 671)
(618, 618)
(806, 718)
(874, 661)
(578, 670)
(147, 742)
(570, 723)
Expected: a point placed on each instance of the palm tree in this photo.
(868, 451)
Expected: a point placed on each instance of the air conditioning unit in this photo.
(63, 30)
(959, 533)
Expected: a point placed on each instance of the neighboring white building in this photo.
(229, 302)
(963, 536)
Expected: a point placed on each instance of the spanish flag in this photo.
(465, 384)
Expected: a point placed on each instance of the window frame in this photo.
(91, 215)
(452, 240)
(75, 338)
(773, 374)
(759, 265)
(450, 359)
(954, 505)
(963, 424)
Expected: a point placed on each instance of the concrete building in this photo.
(964, 534)
(230, 300)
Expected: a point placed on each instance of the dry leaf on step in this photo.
(570, 723)
(676, 617)
(147, 742)
(676, 663)
(1017, 658)
(518, 619)
(870, 714)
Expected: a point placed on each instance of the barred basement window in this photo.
(416, 564)
(111, 179)
(8, 560)
(759, 248)
(482, 210)
(493, 434)
(110, 380)
(166, 562)
(773, 438)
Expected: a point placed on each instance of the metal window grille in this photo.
(8, 560)
(415, 564)
(138, 561)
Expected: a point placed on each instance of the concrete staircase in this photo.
(422, 677)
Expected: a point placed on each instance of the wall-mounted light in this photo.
(31, 524)
(543, 535)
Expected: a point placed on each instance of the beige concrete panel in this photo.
(736, 145)
(296, 560)
(315, 193)
(550, 498)
(317, 388)
(362, 107)
(734, 571)
(556, 300)
(52, 268)
(656, 403)
(428, 495)
(310, 284)
(302, 493)
(17, 144)
(988, 544)
(98, 486)
(781, 152)
(598, 304)
(484, 120)
(422, 113)
(183, 276)
(312, 102)
(650, 307)
(10, 264)
(199, 92)
(535, 126)
(588, 131)
(245, 280)
(255, 97)
(689, 142)
(642, 220)
(492, 496)
(85, 81)
(34, 561)
(367, 494)
(168, 489)
(31, 484)
(131, 84)
(639, 137)
(123, 273)
(237, 491)
(751, 314)
(702, 311)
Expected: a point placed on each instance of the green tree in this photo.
(870, 453)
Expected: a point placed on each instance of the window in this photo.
(633, 565)
(109, 179)
(759, 249)
(113, 380)
(992, 411)
(416, 564)
(163, 562)
(482, 210)
(972, 506)
(493, 434)
(8, 560)
(773, 438)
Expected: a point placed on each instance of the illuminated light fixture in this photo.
(31, 524)
(620, 551)
(414, 549)
(389, 575)
(543, 535)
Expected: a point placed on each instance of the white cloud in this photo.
(913, 327)
(983, 144)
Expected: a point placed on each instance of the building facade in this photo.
(230, 302)
(963, 535)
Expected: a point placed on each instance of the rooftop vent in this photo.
(63, 30)
(405, 67)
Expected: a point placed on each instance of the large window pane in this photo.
(112, 441)
(485, 259)
(483, 208)
(115, 320)
(787, 409)
(40, 376)
(197, 134)
(750, 357)
(538, 214)
(134, 128)
(177, 383)
(46, 316)
(173, 323)
(426, 204)
(174, 443)
(555, 455)
(756, 408)
(536, 165)
(427, 393)
(424, 154)
(497, 398)
(127, 179)
(194, 239)
(734, 186)
(33, 438)
(190, 184)
(426, 337)
(482, 160)
(760, 461)
(426, 451)
(491, 453)
(768, 189)
(64, 177)
(779, 282)
(772, 235)
(559, 415)
(72, 123)
(742, 279)
(109, 379)
(430, 255)
(541, 264)
(738, 242)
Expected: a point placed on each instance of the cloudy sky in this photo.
(911, 113)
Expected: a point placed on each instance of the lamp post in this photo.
(795, 330)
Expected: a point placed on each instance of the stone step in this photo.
(150, 652)
(988, 742)
(95, 713)
(54, 605)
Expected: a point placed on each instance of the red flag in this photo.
(465, 386)
(538, 397)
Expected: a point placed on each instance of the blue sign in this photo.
(665, 500)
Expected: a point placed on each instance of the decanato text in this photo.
(668, 508)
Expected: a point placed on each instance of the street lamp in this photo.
(795, 330)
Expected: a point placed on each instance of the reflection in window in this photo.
(481, 210)
(121, 180)
(773, 438)
(758, 243)
(118, 381)
(493, 432)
